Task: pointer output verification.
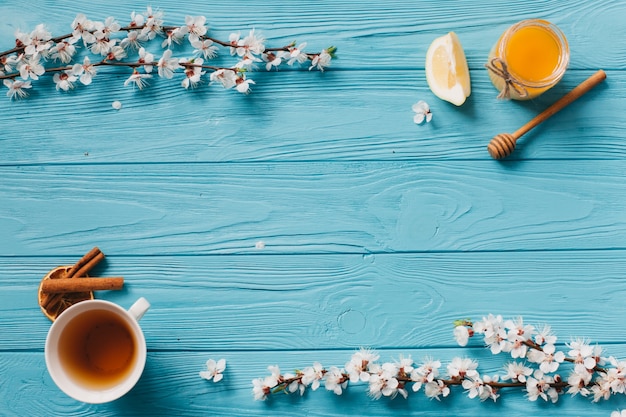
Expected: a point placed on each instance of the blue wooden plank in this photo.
(355, 207)
(295, 116)
(375, 231)
(171, 386)
(286, 302)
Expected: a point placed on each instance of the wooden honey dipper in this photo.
(503, 144)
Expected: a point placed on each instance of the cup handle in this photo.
(138, 309)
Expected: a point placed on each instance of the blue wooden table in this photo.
(312, 217)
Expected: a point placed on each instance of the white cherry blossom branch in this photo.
(537, 366)
(30, 58)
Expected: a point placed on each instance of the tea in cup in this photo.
(95, 350)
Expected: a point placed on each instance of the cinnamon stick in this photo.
(66, 285)
(86, 263)
(80, 268)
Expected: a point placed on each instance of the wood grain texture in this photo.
(313, 217)
(304, 116)
(313, 207)
(171, 386)
(264, 303)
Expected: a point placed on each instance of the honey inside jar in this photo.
(528, 59)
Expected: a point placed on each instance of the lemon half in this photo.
(447, 73)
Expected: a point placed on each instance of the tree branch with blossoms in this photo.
(537, 365)
(36, 53)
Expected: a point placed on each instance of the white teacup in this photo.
(95, 350)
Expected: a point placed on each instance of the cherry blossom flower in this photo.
(578, 381)
(582, 353)
(295, 384)
(64, 51)
(242, 84)
(195, 26)
(204, 48)
(174, 36)
(548, 359)
(462, 368)
(358, 364)
(82, 29)
(273, 60)
(251, 44)
(312, 375)
(545, 336)
(436, 389)
(138, 79)
(321, 60)
(539, 386)
(64, 80)
(621, 413)
(193, 73)
(147, 59)
(517, 371)
(133, 40)
(167, 65)
(226, 77)
(86, 71)
(476, 387)
(136, 19)
(425, 373)
(102, 46)
(461, 334)
(262, 387)
(32, 68)
(297, 54)
(214, 370)
(335, 380)
(233, 40)
(17, 88)
(383, 381)
(154, 23)
(422, 113)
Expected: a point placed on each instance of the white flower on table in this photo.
(436, 389)
(262, 387)
(548, 358)
(297, 54)
(312, 375)
(321, 60)
(422, 112)
(32, 68)
(539, 386)
(517, 371)
(146, 58)
(64, 80)
(461, 335)
(167, 65)
(273, 59)
(359, 363)
(64, 50)
(243, 84)
(86, 71)
(196, 27)
(582, 353)
(193, 72)
(463, 367)
(226, 77)
(17, 88)
(425, 373)
(335, 380)
(137, 79)
(214, 370)
(204, 48)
